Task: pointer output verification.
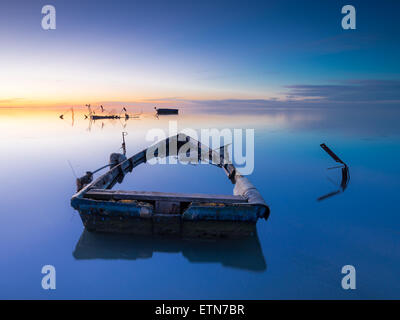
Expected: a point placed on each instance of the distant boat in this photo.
(93, 116)
(96, 117)
(166, 111)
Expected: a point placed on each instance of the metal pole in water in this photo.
(123, 142)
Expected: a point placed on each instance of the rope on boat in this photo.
(115, 159)
(103, 167)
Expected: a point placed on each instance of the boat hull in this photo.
(167, 225)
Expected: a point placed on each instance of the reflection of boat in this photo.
(188, 215)
(166, 111)
(237, 253)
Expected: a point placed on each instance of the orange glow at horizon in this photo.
(37, 120)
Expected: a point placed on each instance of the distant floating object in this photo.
(166, 111)
(345, 173)
(93, 116)
(72, 115)
(96, 117)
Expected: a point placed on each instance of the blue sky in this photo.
(198, 50)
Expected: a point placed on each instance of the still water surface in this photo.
(297, 254)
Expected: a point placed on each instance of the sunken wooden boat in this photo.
(155, 213)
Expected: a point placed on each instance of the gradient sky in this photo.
(125, 51)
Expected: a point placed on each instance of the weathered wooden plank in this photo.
(162, 196)
(171, 207)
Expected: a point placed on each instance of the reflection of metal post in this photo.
(73, 117)
(123, 142)
(89, 109)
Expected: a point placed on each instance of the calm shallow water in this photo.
(299, 251)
